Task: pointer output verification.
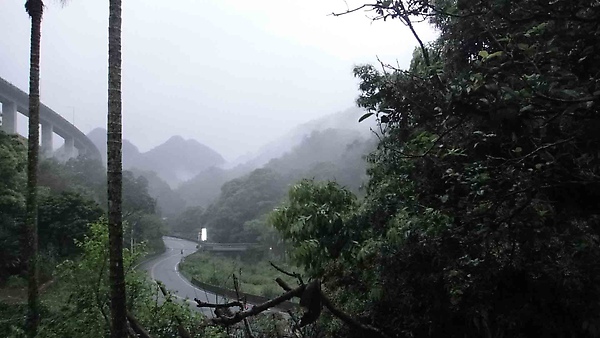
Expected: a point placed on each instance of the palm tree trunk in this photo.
(30, 247)
(115, 175)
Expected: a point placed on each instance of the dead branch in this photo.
(546, 146)
(355, 9)
(239, 316)
(200, 303)
(131, 331)
(183, 333)
(227, 320)
(283, 284)
(398, 10)
(291, 274)
(368, 329)
(236, 285)
(137, 327)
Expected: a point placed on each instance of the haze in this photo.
(230, 74)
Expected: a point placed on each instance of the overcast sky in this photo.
(232, 74)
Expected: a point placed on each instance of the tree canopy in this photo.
(481, 214)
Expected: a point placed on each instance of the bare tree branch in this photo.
(546, 146)
(137, 327)
(283, 284)
(217, 306)
(290, 293)
(236, 285)
(291, 274)
(356, 9)
(239, 316)
(368, 329)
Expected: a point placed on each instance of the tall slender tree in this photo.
(35, 9)
(115, 173)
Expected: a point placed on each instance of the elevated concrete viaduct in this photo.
(16, 101)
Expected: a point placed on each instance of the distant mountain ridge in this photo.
(174, 161)
(282, 154)
(185, 173)
(346, 119)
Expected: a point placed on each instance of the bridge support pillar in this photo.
(69, 147)
(9, 117)
(47, 137)
(81, 151)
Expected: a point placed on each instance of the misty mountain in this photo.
(131, 153)
(306, 151)
(331, 154)
(177, 160)
(174, 161)
(319, 146)
(169, 202)
(244, 202)
(347, 120)
(205, 187)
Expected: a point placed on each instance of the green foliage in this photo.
(204, 188)
(256, 277)
(71, 196)
(12, 201)
(480, 217)
(81, 175)
(62, 220)
(315, 222)
(12, 178)
(147, 229)
(239, 214)
(78, 304)
(268, 237)
(242, 200)
(135, 194)
(168, 202)
(188, 223)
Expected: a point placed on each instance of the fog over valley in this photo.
(232, 75)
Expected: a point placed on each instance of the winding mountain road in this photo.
(164, 268)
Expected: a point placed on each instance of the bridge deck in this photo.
(62, 127)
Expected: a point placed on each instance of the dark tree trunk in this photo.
(115, 177)
(30, 243)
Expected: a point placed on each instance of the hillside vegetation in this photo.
(239, 212)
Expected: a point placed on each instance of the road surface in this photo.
(164, 268)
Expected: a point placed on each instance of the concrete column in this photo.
(69, 147)
(81, 151)
(9, 117)
(47, 136)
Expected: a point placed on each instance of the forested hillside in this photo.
(174, 161)
(343, 120)
(292, 155)
(72, 195)
(239, 212)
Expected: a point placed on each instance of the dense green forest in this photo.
(481, 215)
(474, 214)
(72, 195)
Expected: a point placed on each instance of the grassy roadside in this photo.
(257, 278)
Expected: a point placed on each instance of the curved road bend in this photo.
(164, 268)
